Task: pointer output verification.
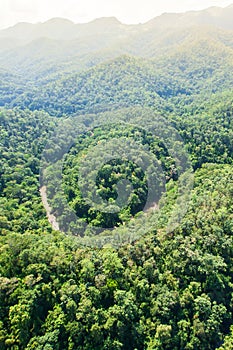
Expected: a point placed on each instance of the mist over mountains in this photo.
(107, 32)
(169, 52)
(64, 29)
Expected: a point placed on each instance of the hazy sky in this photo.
(127, 11)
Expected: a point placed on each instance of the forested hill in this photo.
(29, 49)
(200, 63)
(152, 104)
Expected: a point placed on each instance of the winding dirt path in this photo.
(51, 217)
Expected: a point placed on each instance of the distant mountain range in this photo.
(63, 29)
(170, 55)
(213, 16)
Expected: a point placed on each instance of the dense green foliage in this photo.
(170, 289)
(167, 291)
(113, 172)
(23, 136)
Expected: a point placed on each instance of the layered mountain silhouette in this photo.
(63, 29)
(158, 58)
(213, 16)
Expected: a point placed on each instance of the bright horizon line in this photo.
(89, 20)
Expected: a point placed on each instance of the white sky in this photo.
(127, 11)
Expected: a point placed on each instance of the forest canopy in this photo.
(165, 280)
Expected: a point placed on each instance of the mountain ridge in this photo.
(64, 29)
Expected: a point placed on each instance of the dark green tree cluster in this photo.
(111, 174)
